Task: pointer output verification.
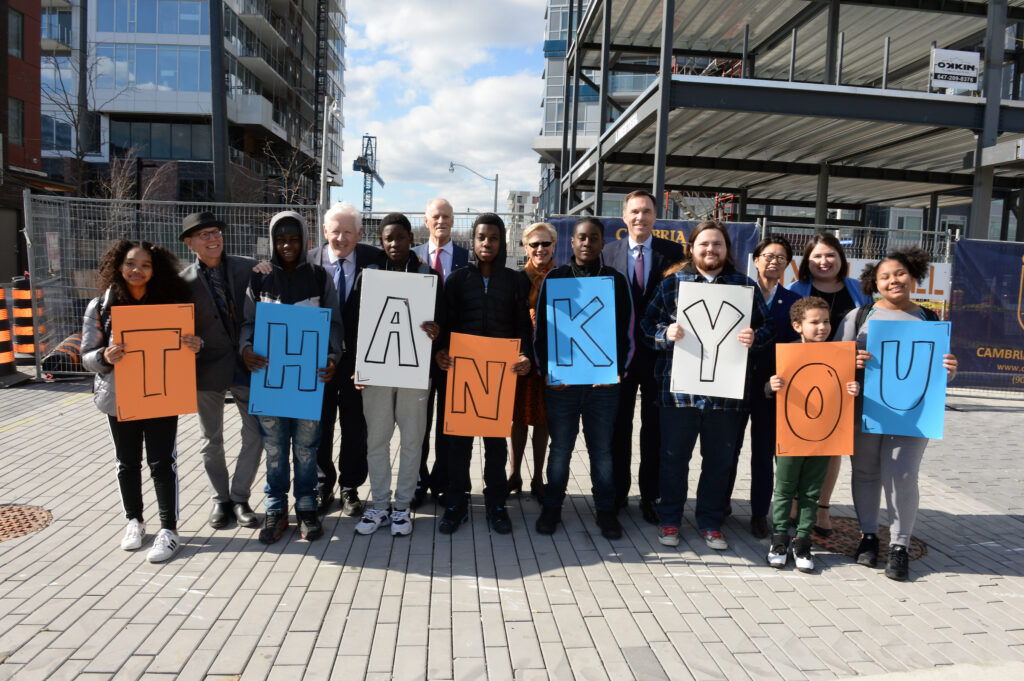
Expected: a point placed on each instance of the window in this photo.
(105, 15)
(15, 121)
(105, 67)
(146, 16)
(188, 68)
(145, 67)
(161, 142)
(167, 19)
(15, 34)
(56, 134)
(190, 13)
(167, 67)
(56, 25)
(181, 140)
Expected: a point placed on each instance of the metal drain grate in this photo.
(17, 520)
(845, 538)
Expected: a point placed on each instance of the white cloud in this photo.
(422, 54)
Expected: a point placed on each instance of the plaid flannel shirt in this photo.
(661, 312)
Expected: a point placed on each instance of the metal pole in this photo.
(821, 199)
(885, 64)
(323, 160)
(745, 65)
(831, 34)
(563, 187)
(668, 13)
(839, 60)
(981, 196)
(495, 192)
(218, 104)
(792, 56)
(603, 95)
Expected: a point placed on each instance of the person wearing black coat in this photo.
(484, 299)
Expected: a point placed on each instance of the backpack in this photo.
(864, 310)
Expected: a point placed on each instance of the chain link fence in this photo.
(67, 236)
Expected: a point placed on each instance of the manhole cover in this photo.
(17, 520)
(845, 538)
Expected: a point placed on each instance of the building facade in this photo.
(128, 111)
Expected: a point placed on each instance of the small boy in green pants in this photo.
(800, 477)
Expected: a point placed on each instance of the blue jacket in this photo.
(803, 289)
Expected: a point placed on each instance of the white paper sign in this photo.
(392, 349)
(709, 359)
(955, 69)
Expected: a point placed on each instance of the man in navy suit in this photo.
(343, 256)
(444, 256)
(642, 257)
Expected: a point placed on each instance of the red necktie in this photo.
(436, 265)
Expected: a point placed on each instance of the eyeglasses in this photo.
(208, 234)
(768, 257)
(539, 244)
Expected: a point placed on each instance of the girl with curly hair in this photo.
(888, 463)
(137, 273)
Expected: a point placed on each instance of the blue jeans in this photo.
(302, 437)
(718, 430)
(597, 407)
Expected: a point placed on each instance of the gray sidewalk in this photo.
(482, 606)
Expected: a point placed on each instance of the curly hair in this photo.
(915, 259)
(801, 307)
(165, 286)
(826, 239)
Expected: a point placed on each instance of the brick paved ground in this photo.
(477, 605)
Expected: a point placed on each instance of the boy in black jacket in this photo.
(484, 299)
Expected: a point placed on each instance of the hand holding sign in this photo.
(814, 399)
(905, 378)
(581, 342)
(154, 357)
(709, 357)
(481, 385)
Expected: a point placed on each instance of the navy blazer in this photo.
(460, 256)
(365, 255)
(663, 254)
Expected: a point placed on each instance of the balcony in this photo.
(270, 26)
(253, 165)
(55, 39)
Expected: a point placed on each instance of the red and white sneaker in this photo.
(668, 535)
(715, 540)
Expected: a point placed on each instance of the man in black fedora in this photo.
(218, 282)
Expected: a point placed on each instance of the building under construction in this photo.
(825, 105)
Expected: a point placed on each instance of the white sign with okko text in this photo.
(955, 69)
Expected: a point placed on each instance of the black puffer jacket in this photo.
(501, 310)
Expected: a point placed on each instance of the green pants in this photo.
(798, 477)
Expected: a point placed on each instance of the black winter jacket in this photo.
(501, 310)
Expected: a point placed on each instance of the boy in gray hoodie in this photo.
(292, 281)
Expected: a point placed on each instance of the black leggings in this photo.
(160, 436)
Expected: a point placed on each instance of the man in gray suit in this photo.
(218, 283)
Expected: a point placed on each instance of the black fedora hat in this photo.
(198, 221)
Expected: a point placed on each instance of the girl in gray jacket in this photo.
(133, 273)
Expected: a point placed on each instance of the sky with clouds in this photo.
(439, 81)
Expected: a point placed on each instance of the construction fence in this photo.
(67, 236)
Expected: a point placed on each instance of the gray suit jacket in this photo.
(216, 362)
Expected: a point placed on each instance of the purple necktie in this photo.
(638, 268)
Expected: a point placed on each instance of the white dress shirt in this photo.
(447, 253)
(634, 251)
(348, 269)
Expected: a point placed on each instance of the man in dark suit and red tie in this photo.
(342, 256)
(444, 256)
(643, 258)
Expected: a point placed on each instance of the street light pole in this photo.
(451, 169)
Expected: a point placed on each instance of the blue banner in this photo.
(294, 339)
(743, 235)
(987, 313)
(904, 381)
(581, 331)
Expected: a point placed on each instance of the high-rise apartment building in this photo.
(128, 93)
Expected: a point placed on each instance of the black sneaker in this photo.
(324, 501)
(274, 525)
(867, 551)
(610, 526)
(898, 567)
(497, 518)
(802, 554)
(309, 525)
(452, 519)
(548, 521)
(350, 503)
(418, 497)
(778, 554)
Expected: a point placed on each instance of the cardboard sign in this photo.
(814, 412)
(708, 359)
(905, 382)
(157, 375)
(391, 348)
(295, 340)
(481, 386)
(581, 331)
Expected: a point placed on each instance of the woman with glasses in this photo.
(771, 258)
(539, 239)
(824, 273)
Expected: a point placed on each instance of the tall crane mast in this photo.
(366, 163)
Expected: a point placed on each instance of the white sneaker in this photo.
(164, 546)
(133, 535)
(801, 550)
(715, 540)
(778, 554)
(401, 523)
(371, 520)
